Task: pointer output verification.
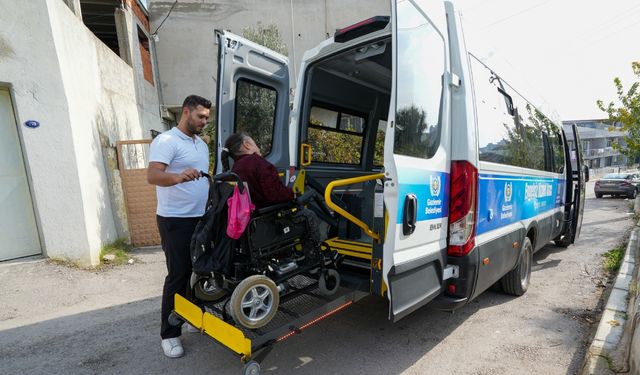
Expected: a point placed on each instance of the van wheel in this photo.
(633, 194)
(598, 195)
(516, 282)
(254, 302)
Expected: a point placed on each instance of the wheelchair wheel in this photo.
(329, 282)
(254, 302)
(205, 289)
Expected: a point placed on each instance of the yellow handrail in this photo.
(339, 210)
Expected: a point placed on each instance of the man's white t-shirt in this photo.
(179, 152)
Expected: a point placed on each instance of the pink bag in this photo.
(239, 212)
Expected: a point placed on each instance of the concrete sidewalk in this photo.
(34, 290)
(616, 345)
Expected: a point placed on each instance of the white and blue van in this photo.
(445, 180)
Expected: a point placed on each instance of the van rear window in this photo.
(421, 65)
(255, 112)
(335, 136)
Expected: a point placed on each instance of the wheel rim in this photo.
(525, 263)
(257, 303)
(252, 368)
(208, 286)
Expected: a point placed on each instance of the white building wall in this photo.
(85, 98)
(28, 63)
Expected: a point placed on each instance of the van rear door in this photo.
(575, 187)
(416, 157)
(253, 96)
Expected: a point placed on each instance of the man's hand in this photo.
(157, 175)
(188, 174)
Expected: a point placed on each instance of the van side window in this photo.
(335, 136)
(558, 153)
(421, 59)
(533, 129)
(499, 140)
(255, 112)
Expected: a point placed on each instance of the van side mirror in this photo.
(586, 173)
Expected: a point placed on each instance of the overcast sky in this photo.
(566, 52)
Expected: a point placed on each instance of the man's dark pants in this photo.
(175, 234)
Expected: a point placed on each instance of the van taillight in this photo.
(462, 208)
(361, 28)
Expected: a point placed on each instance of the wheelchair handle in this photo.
(226, 176)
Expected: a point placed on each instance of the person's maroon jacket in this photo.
(265, 186)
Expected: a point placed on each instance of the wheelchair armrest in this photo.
(275, 207)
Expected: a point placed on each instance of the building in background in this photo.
(76, 77)
(186, 45)
(597, 143)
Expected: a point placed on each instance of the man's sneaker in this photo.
(172, 347)
(190, 329)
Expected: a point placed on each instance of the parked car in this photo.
(617, 184)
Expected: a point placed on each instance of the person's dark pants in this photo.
(175, 234)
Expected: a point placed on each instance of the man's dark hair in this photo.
(192, 101)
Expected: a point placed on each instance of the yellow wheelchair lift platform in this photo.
(297, 311)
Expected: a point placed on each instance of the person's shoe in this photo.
(172, 347)
(190, 329)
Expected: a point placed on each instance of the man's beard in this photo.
(194, 129)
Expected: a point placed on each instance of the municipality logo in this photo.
(435, 185)
(508, 191)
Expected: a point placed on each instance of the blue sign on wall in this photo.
(32, 124)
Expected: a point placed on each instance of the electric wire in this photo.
(165, 18)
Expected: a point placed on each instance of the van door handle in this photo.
(410, 214)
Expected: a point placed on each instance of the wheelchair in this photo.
(249, 275)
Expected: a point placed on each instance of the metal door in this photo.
(417, 158)
(18, 230)
(253, 96)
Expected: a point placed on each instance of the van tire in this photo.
(516, 282)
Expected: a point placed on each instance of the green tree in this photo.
(268, 36)
(627, 113)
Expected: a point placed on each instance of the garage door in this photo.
(18, 233)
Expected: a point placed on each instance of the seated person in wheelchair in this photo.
(265, 186)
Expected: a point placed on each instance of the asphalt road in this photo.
(55, 320)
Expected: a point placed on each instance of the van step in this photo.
(355, 249)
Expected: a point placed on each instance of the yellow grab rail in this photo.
(348, 181)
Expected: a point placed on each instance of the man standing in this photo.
(176, 158)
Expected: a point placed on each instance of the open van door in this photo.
(416, 158)
(575, 189)
(253, 96)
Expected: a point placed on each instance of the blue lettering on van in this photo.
(503, 200)
(431, 190)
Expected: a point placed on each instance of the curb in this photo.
(613, 340)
